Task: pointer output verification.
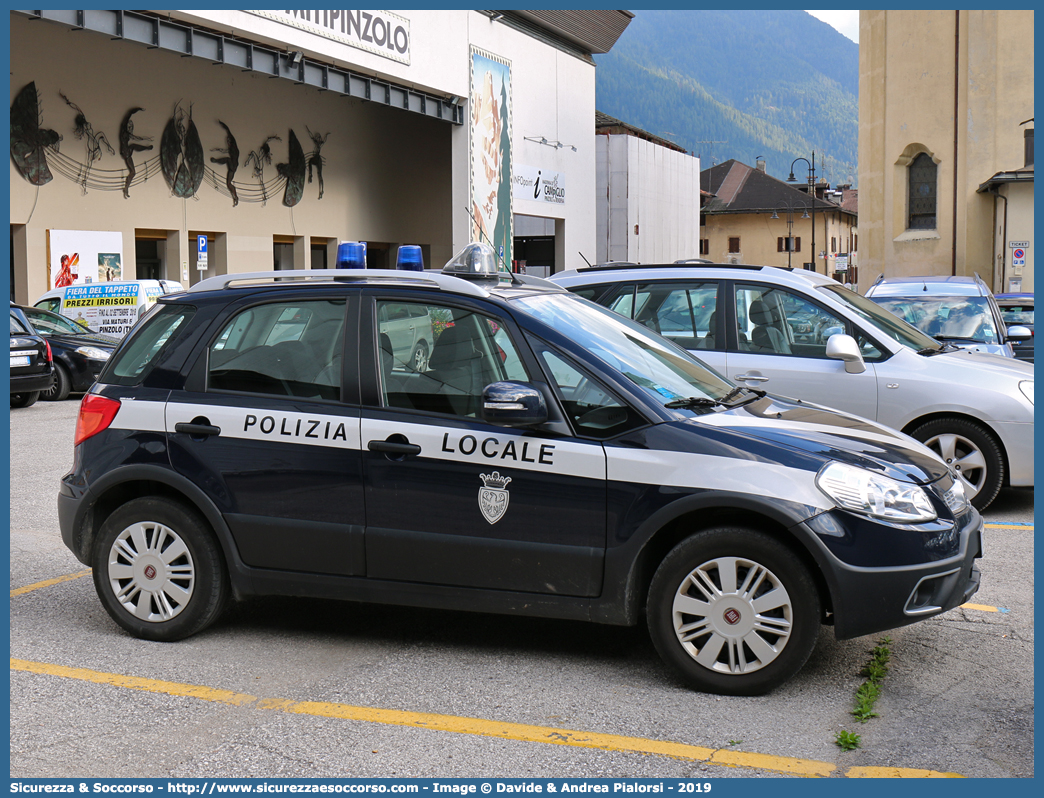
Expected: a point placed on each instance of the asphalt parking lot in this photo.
(298, 688)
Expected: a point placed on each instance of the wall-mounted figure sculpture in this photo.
(259, 157)
(230, 161)
(293, 171)
(93, 139)
(29, 140)
(316, 159)
(181, 154)
(129, 145)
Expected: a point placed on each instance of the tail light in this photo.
(50, 355)
(96, 414)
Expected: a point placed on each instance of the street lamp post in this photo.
(811, 194)
(790, 226)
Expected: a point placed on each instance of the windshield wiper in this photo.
(726, 401)
(947, 346)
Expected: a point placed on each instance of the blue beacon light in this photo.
(351, 255)
(410, 258)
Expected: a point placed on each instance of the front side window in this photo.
(922, 176)
(437, 358)
(593, 411)
(281, 348)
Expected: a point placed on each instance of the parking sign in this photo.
(201, 258)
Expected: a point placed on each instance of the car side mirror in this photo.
(1018, 333)
(844, 347)
(513, 404)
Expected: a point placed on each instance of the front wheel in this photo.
(733, 611)
(972, 453)
(61, 386)
(158, 570)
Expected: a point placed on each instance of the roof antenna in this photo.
(589, 266)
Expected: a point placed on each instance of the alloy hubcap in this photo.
(732, 615)
(964, 457)
(151, 572)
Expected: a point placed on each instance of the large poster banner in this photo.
(491, 153)
(83, 256)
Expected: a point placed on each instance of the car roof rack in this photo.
(693, 264)
(427, 279)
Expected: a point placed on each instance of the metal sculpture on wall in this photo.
(129, 145)
(83, 130)
(29, 140)
(181, 154)
(260, 157)
(230, 161)
(316, 159)
(293, 171)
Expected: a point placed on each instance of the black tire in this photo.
(971, 451)
(24, 399)
(419, 358)
(739, 656)
(61, 386)
(191, 587)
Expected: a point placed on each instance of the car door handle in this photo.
(751, 378)
(197, 430)
(394, 447)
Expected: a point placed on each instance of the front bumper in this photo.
(874, 599)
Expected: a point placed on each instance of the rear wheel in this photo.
(24, 399)
(158, 570)
(61, 386)
(733, 611)
(419, 358)
(971, 451)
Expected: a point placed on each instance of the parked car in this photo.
(79, 352)
(554, 459)
(1017, 310)
(31, 361)
(110, 308)
(962, 310)
(800, 334)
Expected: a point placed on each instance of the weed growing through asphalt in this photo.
(869, 691)
(847, 741)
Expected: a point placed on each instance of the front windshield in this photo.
(884, 320)
(963, 318)
(47, 323)
(665, 372)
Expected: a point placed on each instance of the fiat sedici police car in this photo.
(260, 434)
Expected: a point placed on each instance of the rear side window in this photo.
(146, 345)
(281, 348)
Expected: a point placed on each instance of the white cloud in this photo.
(845, 22)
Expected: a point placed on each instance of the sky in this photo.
(847, 22)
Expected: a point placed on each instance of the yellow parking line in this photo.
(980, 607)
(18, 591)
(1027, 527)
(451, 723)
(477, 726)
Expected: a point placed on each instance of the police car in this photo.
(260, 434)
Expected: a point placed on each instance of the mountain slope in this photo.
(739, 84)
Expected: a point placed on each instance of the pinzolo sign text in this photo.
(379, 32)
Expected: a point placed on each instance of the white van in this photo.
(111, 308)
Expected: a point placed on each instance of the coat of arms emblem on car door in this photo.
(493, 496)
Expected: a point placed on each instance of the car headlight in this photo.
(867, 493)
(1026, 386)
(93, 353)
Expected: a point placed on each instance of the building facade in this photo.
(945, 98)
(648, 196)
(751, 217)
(263, 139)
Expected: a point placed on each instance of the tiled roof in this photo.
(739, 188)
